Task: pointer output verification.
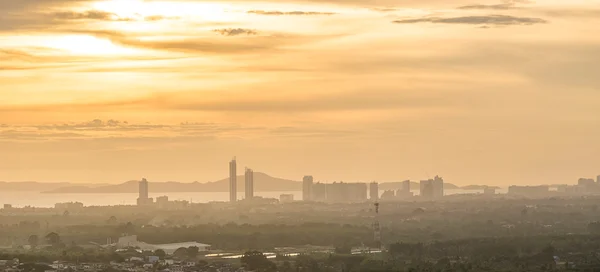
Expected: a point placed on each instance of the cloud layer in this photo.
(327, 87)
(501, 20)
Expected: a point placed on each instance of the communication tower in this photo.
(376, 227)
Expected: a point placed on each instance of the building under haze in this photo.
(438, 187)
(404, 191)
(318, 192)
(346, 192)
(233, 180)
(374, 191)
(286, 198)
(307, 187)
(249, 185)
(143, 198)
(406, 186)
(426, 189)
(529, 191)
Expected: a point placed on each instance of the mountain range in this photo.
(262, 183)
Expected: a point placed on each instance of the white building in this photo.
(132, 241)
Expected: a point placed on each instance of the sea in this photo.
(38, 199)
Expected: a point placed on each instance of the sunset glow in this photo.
(363, 89)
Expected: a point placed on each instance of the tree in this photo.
(53, 238)
(181, 252)
(160, 253)
(112, 220)
(192, 252)
(33, 240)
(257, 261)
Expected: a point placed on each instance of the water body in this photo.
(37, 199)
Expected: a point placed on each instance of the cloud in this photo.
(280, 13)
(89, 15)
(155, 18)
(507, 4)
(250, 44)
(105, 16)
(235, 31)
(500, 20)
(493, 7)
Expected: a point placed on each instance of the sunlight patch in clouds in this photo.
(86, 45)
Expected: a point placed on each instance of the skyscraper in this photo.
(307, 183)
(598, 179)
(143, 198)
(233, 180)
(374, 191)
(249, 177)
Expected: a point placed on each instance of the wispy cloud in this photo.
(281, 13)
(499, 20)
(235, 31)
(503, 6)
(106, 16)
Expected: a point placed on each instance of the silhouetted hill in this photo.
(35, 186)
(262, 183)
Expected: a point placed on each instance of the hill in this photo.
(262, 183)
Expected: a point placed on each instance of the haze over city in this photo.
(481, 92)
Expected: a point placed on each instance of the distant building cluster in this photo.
(69, 206)
(584, 186)
(286, 198)
(162, 202)
(357, 192)
(432, 188)
(403, 193)
(333, 192)
(529, 191)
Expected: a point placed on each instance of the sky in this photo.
(476, 91)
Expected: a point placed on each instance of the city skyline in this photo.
(483, 91)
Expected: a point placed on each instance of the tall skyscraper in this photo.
(598, 179)
(143, 198)
(249, 177)
(233, 180)
(307, 184)
(374, 191)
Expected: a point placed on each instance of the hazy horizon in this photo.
(476, 91)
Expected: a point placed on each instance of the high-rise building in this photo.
(233, 180)
(426, 189)
(438, 187)
(406, 186)
(598, 179)
(143, 198)
(340, 192)
(374, 191)
(432, 188)
(249, 185)
(307, 187)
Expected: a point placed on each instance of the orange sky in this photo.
(479, 92)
